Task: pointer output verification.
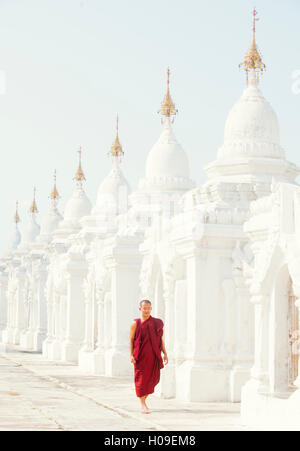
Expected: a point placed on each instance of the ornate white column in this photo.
(3, 301)
(279, 335)
(296, 347)
(76, 270)
(19, 305)
(99, 360)
(12, 299)
(204, 364)
(50, 314)
(259, 371)
(7, 332)
(107, 321)
(29, 305)
(89, 294)
(259, 381)
(180, 311)
(167, 386)
(54, 348)
(243, 324)
(123, 260)
(40, 332)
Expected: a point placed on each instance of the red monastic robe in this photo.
(147, 354)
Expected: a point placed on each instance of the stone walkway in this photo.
(40, 395)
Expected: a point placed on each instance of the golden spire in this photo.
(168, 107)
(252, 60)
(54, 194)
(116, 149)
(33, 207)
(79, 176)
(17, 217)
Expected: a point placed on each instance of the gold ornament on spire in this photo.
(17, 217)
(168, 107)
(33, 207)
(116, 149)
(252, 60)
(79, 176)
(54, 194)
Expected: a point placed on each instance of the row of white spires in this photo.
(251, 116)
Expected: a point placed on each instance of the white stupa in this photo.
(15, 237)
(51, 221)
(114, 189)
(112, 197)
(167, 177)
(33, 229)
(76, 207)
(167, 165)
(252, 128)
(251, 149)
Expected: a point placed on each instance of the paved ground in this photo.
(40, 395)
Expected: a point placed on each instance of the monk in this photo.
(146, 346)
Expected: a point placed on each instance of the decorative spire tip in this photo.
(253, 61)
(116, 150)
(17, 217)
(54, 194)
(168, 108)
(79, 176)
(33, 208)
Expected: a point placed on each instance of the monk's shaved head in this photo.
(144, 301)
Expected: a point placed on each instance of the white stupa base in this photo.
(3, 348)
(38, 340)
(45, 347)
(16, 337)
(91, 361)
(268, 410)
(85, 361)
(167, 385)
(2, 328)
(117, 363)
(201, 383)
(69, 351)
(26, 340)
(53, 350)
(238, 377)
(7, 336)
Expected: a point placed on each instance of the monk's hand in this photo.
(166, 360)
(132, 359)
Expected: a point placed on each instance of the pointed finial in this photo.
(255, 19)
(17, 217)
(167, 108)
(33, 207)
(54, 194)
(116, 149)
(252, 61)
(79, 176)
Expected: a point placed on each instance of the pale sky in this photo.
(71, 65)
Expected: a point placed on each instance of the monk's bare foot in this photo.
(148, 410)
(145, 409)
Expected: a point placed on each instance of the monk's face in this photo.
(146, 309)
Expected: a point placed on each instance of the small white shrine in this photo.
(272, 395)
